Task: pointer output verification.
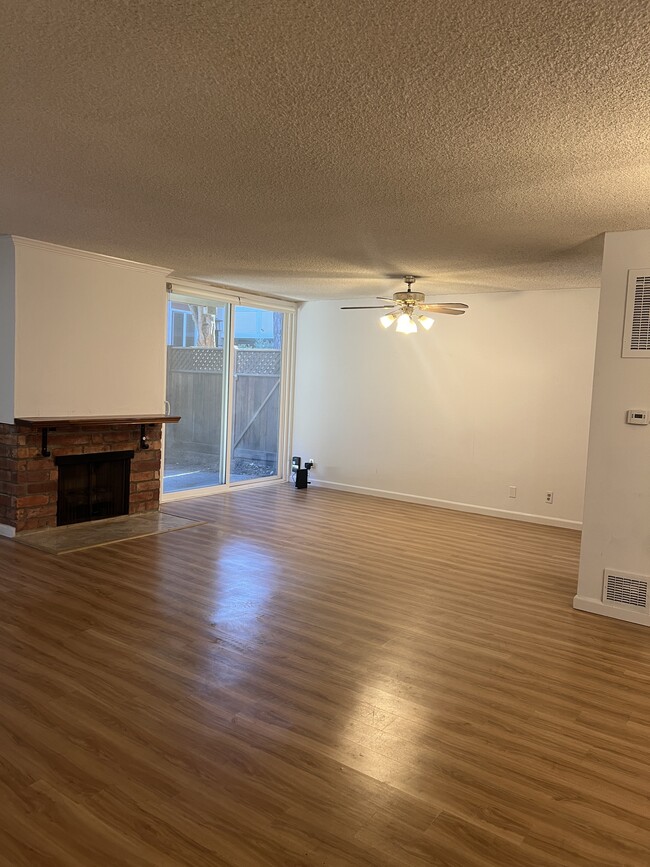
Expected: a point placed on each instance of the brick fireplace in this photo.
(29, 480)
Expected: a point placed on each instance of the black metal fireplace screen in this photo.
(93, 486)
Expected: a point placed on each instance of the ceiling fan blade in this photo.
(449, 304)
(435, 308)
(444, 307)
(380, 298)
(371, 307)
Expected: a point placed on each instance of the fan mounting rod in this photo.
(411, 298)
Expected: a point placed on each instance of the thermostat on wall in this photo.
(637, 416)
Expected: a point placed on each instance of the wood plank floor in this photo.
(319, 678)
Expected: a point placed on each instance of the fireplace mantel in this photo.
(52, 422)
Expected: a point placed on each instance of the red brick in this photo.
(142, 496)
(143, 466)
(36, 512)
(31, 476)
(36, 500)
(117, 437)
(145, 506)
(42, 488)
(77, 439)
(43, 511)
(142, 477)
(147, 486)
(34, 524)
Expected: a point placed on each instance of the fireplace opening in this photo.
(92, 487)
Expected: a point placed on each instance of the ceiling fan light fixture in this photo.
(409, 309)
(388, 319)
(405, 324)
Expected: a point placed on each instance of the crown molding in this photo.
(19, 241)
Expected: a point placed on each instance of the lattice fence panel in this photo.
(258, 362)
(248, 362)
(196, 359)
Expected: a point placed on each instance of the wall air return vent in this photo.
(624, 590)
(636, 335)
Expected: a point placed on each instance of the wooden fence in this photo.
(195, 392)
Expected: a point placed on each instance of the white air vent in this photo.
(624, 590)
(636, 335)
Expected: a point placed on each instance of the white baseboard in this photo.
(6, 530)
(449, 504)
(595, 606)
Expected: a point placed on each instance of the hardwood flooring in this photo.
(319, 678)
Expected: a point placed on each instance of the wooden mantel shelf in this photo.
(47, 424)
(50, 421)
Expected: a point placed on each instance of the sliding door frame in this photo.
(232, 299)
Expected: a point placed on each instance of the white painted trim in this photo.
(231, 294)
(220, 489)
(449, 504)
(190, 494)
(7, 531)
(87, 254)
(253, 483)
(287, 396)
(227, 406)
(163, 438)
(595, 606)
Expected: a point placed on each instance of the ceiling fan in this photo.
(407, 309)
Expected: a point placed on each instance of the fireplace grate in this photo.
(93, 486)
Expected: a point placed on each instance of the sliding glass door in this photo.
(197, 390)
(225, 378)
(257, 383)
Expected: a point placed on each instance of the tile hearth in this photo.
(76, 537)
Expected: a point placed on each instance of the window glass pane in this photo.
(256, 396)
(196, 390)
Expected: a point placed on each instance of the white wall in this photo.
(90, 333)
(497, 397)
(7, 321)
(617, 504)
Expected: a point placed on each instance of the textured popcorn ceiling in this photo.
(308, 148)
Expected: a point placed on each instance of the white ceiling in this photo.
(309, 149)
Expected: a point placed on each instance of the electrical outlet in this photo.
(549, 496)
(513, 491)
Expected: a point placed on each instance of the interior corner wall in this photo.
(7, 325)
(90, 334)
(616, 531)
(455, 416)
